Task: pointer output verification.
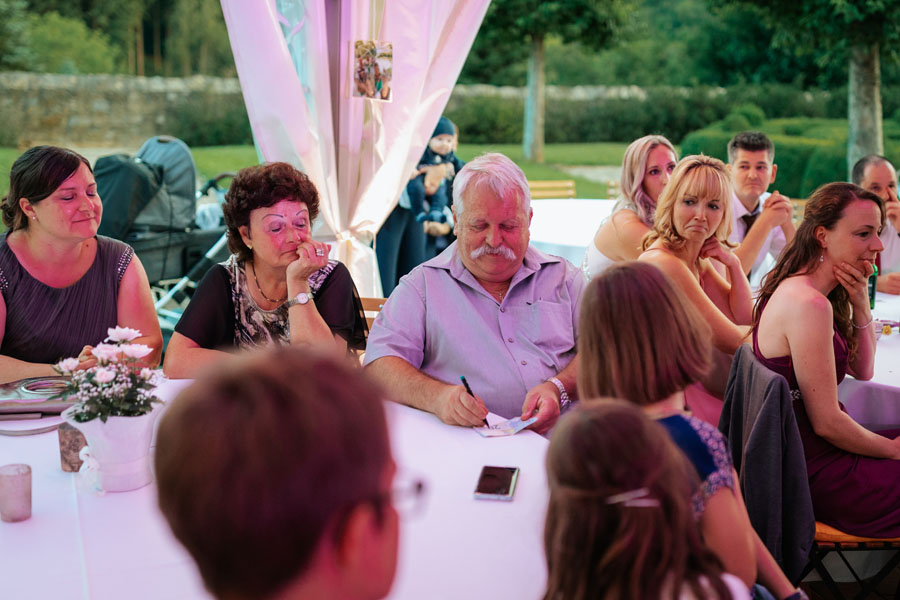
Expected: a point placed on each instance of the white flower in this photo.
(106, 352)
(122, 334)
(135, 350)
(67, 365)
(104, 375)
(146, 374)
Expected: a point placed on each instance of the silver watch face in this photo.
(301, 298)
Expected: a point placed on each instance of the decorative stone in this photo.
(71, 441)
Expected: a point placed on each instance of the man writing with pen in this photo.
(490, 308)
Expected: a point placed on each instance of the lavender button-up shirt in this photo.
(440, 320)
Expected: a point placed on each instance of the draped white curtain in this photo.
(294, 59)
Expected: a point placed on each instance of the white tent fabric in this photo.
(294, 59)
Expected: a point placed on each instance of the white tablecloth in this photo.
(876, 403)
(116, 546)
(564, 227)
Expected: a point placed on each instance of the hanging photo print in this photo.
(373, 65)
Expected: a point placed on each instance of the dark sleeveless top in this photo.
(856, 494)
(46, 324)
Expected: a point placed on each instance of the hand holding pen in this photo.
(469, 391)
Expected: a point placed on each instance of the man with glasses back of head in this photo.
(275, 472)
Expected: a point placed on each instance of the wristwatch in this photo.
(563, 396)
(301, 298)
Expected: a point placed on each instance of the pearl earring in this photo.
(822, 257)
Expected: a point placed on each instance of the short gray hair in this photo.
(501, 175)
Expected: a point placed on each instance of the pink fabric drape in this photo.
(293, 59)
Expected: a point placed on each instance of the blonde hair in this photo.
(640, 339)
(703, 177)
(634, 167)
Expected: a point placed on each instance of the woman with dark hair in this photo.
(278, 287)
(813, 325)
(61, 285)
(619, 521)
(651, 362)
(646, 167)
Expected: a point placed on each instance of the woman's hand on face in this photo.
(713, 248)
(311, 256)
(855, 282)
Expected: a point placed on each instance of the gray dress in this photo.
(45, 324)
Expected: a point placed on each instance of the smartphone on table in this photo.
(497, 483)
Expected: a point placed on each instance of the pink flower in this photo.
(67, 365)
(135, 350)
(104, 375)
(122, 334)
(106, 353)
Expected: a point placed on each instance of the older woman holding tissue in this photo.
(278, 287)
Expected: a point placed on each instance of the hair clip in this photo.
(635, 498)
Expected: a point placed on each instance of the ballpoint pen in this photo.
(469, 391)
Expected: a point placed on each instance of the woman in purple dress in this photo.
(61, 285)
(813, 325)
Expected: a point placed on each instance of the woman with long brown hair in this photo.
(619, 522)
(813, 325)
(650, 361)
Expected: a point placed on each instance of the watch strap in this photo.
(564, 399)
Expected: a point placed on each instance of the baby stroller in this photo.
(150, 202)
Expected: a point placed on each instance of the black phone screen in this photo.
(497, 481)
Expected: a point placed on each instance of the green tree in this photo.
(14, 53)
(60, 44)
(838, 30)
(510, 24)
(198, 40)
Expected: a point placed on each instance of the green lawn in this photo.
(216, 159)
(213, 160)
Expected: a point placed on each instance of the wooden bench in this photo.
(561, 188)
(799, 209)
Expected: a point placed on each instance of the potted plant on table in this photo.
(114, 407)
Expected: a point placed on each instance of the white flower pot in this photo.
(121, 448)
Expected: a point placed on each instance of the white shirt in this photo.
(774, 242)
(890, 256)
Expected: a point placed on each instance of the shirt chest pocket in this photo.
(547, 325)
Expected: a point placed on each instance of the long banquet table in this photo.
(80, 545)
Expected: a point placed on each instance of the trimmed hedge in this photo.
(673, 112)
(792, 155)
(809, 152)
(211, 120)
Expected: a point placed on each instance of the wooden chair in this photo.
(562, 188)
(372, 306)
(742, 409)
(828, 540)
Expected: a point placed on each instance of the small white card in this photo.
(504, 428)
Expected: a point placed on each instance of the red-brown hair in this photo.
(261, 458)
(261, 186)
(598, 547)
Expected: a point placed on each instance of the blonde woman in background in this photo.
(646, 167)
(693, 222)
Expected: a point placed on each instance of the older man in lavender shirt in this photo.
(490, 307)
